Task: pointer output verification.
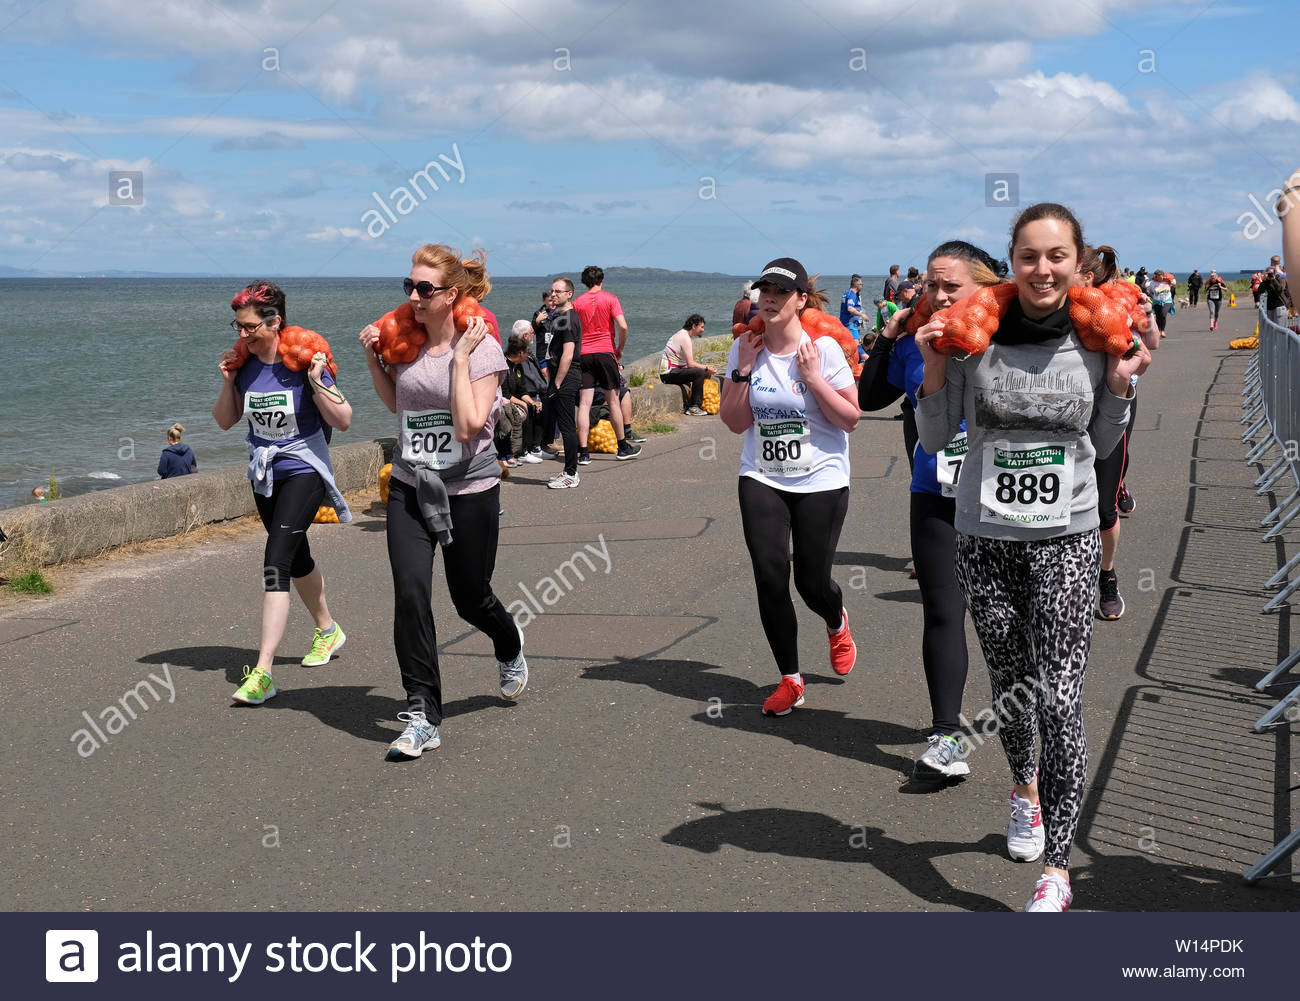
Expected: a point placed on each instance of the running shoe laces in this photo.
(944, 758)
(1052, 894)
(1026, 838)
(788, 694)
(256, 686)
(417, 737)
(844, 652)
(324, 645)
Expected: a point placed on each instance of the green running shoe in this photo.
(257, 687)
(323, 646)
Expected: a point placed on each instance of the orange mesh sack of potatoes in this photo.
(326, 516)
(601, 438)
(385, 475)
(712, 397)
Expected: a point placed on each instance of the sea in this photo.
(97, 369)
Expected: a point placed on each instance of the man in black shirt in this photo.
(564, 378)
(1194, 283)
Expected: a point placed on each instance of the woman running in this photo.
(794, 401)
(1038, 408)
(445, 488)
(1214, 289)
(955, 271)
(1097, 267)
(288, 413)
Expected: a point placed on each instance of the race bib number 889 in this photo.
(1029, 484)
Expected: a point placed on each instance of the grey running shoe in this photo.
(563, 482)
(945, 758)
(696, 412)
(419, 736)
(626, 450)
(1110, 605)
(514, 673)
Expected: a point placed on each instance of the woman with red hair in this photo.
(289, 415)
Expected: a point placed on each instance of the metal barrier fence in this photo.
(1271, 405)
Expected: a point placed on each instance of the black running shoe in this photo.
(1126, 504)
(1110, 605)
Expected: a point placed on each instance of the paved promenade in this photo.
(637, 773)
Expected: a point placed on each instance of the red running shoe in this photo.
(844, 652)
(788, 694)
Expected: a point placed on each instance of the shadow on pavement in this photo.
(803, 834)
(739, 702)
(878, 560)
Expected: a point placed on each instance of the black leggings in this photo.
(287, 514)
(1110, 475)
(468, 563)
(770, 517)
(943, 639)
(1160, 311)
(693, 376)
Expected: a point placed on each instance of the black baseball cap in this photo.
(785, 273)
(906, 286)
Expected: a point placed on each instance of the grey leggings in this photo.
(1032, 606)
(1214, 305)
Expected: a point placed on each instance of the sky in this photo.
(309, 137)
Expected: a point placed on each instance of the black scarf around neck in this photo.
(1017, 328)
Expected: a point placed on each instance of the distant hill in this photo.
(622, 272)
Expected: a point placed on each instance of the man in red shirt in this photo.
(600, 312)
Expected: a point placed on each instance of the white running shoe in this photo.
(945, 758)
(513, 674)
(1052, 894)
(1026, 838)
(530, 457)
(564, 482)
(419, 736)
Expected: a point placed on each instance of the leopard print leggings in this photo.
(1032, 606)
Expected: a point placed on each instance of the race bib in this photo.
(429, 439)
(1030, 484)
(784, 448)
(1214, 293)
(948, 464)
(271, 416)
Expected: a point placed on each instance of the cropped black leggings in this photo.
(943, 636)
(1110, 475)
(287, 514)
(772, 519)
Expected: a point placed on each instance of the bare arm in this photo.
(471, 402)
(229, 406)
(734, 408)
(621, 322)
(385, 385)
(334, 408)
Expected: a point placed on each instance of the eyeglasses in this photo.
(558, 291)
(426, 289)
(245, 328)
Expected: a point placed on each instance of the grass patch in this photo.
(32, 582)
(637, 379)
(658, 427)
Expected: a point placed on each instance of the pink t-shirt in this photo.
(597, 311)
(424, 385)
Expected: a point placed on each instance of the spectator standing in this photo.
(1194, 283)
(890, 293)
(740, 311)
(851, 313)
(600, 314)
(177, 458)
(563, 380)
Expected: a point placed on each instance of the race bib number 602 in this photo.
(429, 438)
(1030, 484)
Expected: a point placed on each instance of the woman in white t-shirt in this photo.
(794, 400)
(445, 488)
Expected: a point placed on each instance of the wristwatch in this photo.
(737, 377)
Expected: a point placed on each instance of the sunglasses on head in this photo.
(425, 289)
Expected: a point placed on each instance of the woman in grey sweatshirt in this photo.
(1039, 407)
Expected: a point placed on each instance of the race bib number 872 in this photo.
(1029, 484)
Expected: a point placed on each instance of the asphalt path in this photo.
(637, 772)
